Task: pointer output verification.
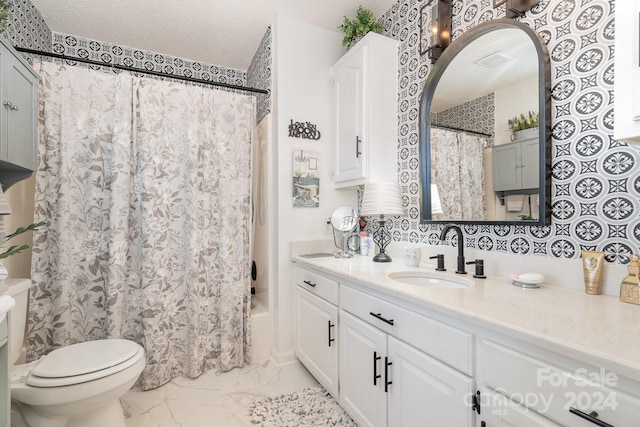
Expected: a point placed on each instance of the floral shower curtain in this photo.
(457, 160)
(145, 185)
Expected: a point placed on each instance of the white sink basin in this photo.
(431, 280)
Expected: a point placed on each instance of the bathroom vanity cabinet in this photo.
(395, 368)
(516, 165)
(366, 91)
(316, 343)
(627, 72)
(403, 364)
(18, 116)
(5, 397)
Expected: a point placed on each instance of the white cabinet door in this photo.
(21, 87)
(498, 411)
(349, 110)
(366, 91)
(425, 392)
(530, 163)
(317, 338)
(18, 121)
(627, 72)
(506, 171)
(362, 371)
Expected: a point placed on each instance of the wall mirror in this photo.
(477, 170)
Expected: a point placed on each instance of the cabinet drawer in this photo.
(316, 284)
(450, 345)
(553, 391)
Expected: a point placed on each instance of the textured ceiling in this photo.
(219, 32)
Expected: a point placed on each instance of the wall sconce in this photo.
(436, 35)
(515, 8)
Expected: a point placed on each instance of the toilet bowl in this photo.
(75, 386)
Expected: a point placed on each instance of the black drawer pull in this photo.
(375, 368)
(387, 383)
(308, 282)
(330, 326)
(379, 317)
(591, 417)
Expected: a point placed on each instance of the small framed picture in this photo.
(306, 179)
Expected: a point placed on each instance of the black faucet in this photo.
(443, 235)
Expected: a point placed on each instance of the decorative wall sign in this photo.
(306, 130)
(306, 180)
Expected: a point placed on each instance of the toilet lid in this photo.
(78, 360)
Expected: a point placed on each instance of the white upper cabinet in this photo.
(18, 116)
(627, 72)
(366, 91)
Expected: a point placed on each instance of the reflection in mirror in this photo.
(485, 173)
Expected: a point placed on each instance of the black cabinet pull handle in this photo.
(379, 317)
(329, 330)
(358, 141)
(591, 417)
(375, 368)
(308, 282)
(387, 383)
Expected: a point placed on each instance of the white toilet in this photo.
(75, 386)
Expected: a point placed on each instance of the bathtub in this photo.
(261, 328)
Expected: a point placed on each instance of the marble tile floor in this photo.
(213, 399)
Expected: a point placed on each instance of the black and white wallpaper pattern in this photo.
(477, 115)
(27, 28)
(596, 179)
(110, 53)
(259, 75)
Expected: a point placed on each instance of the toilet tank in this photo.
(19, 290)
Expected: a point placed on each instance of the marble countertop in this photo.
(596, 329)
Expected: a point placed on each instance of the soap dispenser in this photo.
(630, 286)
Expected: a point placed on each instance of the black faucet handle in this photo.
(440, 258)
(479, 269)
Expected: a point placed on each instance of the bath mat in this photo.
(310, 407)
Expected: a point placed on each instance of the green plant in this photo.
(15, 249)
(524, 122)
(4, 13)
(525, 217)
(359, 26)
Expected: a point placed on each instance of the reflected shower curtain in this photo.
(457, 161)
(145, 185)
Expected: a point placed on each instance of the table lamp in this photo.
(382, 198)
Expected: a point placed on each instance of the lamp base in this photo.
(382, 257)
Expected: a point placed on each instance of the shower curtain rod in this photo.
(139, 70)
(461, 130)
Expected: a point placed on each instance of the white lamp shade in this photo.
(382, 198)
(436, 206)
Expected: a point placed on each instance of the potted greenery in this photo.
(4, 14)
(357, 28)
(524, 127)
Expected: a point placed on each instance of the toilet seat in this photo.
(83, 362)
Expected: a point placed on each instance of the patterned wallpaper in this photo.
(596, 179)
(477, 115)
(259, 75)
(80, 47)
(27, 28)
